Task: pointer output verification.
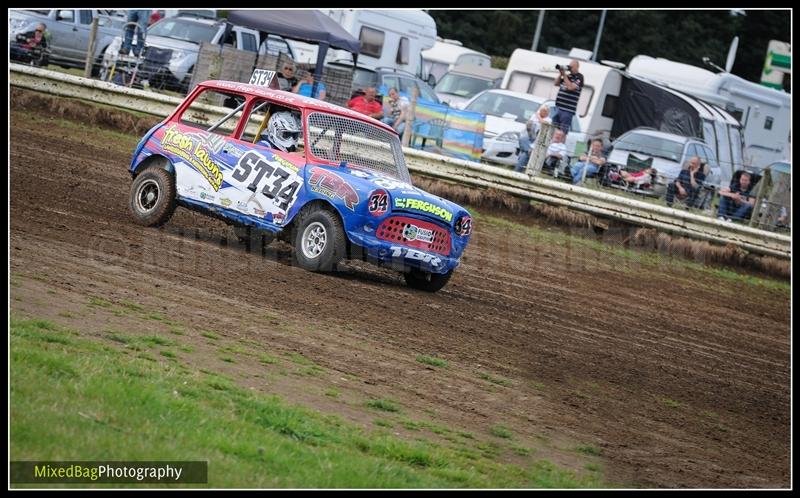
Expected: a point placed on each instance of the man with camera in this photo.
(569, 93)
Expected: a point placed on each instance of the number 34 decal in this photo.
(268, 178)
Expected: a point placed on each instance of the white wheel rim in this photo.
(147, 196)
(314, 239)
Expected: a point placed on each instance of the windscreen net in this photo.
(357, 143)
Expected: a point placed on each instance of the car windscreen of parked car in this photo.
(496, 104)
(650, 145)
(462, 85)
(181, 29)
(363, 78)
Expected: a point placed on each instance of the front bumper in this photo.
(501, 152)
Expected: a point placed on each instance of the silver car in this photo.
(180, 38)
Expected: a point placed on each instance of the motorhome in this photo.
(765, 113)
(445, 55)
(535, 73)
(389, 38)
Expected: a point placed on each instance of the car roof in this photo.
(291, 99)
(519, 95)
(478, 71)
(665, 135)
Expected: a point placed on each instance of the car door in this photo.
(64, 36)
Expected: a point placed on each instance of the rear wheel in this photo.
(319, 240)
(428, 282)
(152, 199)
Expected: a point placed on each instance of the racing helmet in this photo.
(283, 130)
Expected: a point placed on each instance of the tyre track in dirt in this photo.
(545, 314)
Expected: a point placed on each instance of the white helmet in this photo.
(283, 130)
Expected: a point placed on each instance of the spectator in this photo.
(591, 161)
(286, 79)
(556, 152)
(569, 93)
(396, 117)
(366, 104)
(307, 83)
(736, 201)
(31, 46)
(156, 16)
(688, 183)
(526, 139)
(137, 21)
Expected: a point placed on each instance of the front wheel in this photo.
(428, 282)
(319, 240)
(152, 200)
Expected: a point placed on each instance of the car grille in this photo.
(424, 235)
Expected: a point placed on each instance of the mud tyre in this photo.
(319, 241)
(152, 199)
(428, 282)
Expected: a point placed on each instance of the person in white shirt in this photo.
(556, 152)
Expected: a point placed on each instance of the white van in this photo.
(534, 73)
(765, 113)
(445, 55)
(389, 38)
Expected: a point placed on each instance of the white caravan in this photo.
(445, 55)
(534, 73)
(765, 113)
(389, 38)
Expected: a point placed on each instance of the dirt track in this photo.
(680, 379)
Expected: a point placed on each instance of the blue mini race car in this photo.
(330, 181)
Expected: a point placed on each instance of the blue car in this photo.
(330, 181)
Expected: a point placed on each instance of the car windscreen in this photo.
(182, 29)
(357, 143)
(363, 78)
(462, 85)
(651, 145)
(497, 104)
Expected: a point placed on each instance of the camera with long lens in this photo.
(559, 67)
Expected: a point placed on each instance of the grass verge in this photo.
(77, 399)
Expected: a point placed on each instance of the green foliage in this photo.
(680, 35)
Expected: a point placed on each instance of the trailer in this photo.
(447, 54)
(534, 73)
(765, 113)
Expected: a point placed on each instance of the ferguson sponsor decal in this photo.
(331, 185)
(423, 206)
(194, 150)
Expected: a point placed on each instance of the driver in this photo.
(283, 131)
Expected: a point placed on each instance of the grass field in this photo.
(79, 399)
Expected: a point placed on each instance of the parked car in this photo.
(465, 81)
(384, 78)
(347, 194)
(180, 38)
(669, 152)
(507, 114)
(69, 31)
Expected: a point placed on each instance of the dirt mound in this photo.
(80, 111)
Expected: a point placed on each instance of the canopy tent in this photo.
(305, 25)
